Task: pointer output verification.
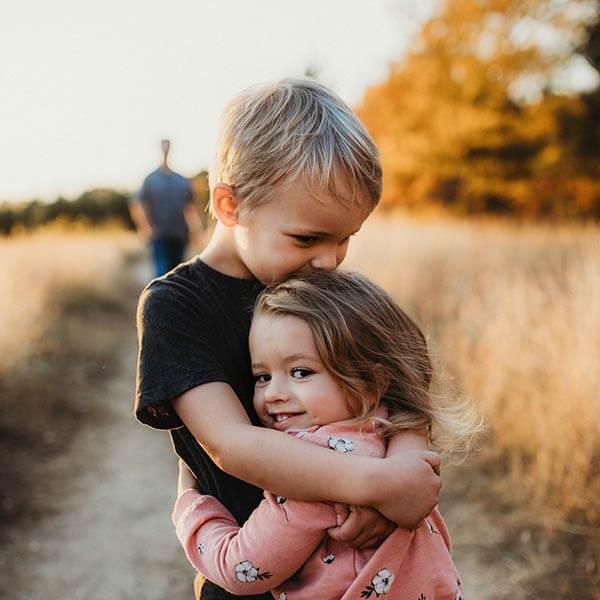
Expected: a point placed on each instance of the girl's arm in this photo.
(272, 545)
(403, 487)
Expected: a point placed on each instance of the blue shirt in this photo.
(164, 195)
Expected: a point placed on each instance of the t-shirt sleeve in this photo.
(176, 351)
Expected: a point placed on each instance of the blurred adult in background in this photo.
(165, 215)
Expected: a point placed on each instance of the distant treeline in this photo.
(94, 207)
(474, 118)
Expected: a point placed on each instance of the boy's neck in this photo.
(221, 254)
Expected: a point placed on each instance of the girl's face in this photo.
(293, 390)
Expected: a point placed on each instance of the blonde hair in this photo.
(375, 351)
(295, 129)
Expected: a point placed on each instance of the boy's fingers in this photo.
(341, 511)
(434, 459)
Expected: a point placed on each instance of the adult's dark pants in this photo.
(166, 254)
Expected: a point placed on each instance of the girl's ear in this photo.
(382, 381)
(225, 204)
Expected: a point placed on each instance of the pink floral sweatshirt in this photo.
(284, 547)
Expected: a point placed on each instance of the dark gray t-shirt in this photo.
(193, 327)
(164, 195)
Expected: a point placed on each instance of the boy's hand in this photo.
(185, 479)
(360, 527)
(407, 487)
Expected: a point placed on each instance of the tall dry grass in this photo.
(514, 314)
(40, 272)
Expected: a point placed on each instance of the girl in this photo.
(336, 363)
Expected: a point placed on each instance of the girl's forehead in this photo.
(283, 336)
(268, 323)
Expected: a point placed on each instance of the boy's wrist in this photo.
(370, 475)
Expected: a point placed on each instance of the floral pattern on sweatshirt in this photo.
(380, 584)
(340, 444)
(246, 572)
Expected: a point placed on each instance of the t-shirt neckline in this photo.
(239, 280)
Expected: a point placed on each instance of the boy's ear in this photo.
(225, 204)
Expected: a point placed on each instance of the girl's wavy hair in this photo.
(375, 351)
(295, 130)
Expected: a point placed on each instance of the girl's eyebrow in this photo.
(288, 359)
(300, 356)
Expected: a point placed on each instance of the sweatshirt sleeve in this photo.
(271, 546)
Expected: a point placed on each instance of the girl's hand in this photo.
(185, 479)
(362, 528)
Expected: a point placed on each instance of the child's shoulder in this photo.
(194, 281)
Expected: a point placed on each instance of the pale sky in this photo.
(89, 87)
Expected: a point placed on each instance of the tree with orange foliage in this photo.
(471, 119)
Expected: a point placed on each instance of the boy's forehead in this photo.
(318, 212)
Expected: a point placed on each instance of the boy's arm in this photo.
(365, 527)
(403, 487)
(272, 545)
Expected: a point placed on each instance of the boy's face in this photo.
(296, 231)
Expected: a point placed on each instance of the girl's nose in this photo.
(276, 391)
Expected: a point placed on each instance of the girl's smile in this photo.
(284, 421)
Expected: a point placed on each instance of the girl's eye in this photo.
(306, 239)
(300, 373)
(262, 378)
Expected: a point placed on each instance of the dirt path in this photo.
(108, 534)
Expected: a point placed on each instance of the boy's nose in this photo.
(325, 262)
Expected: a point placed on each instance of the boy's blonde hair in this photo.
(375, 352)
(295, 129)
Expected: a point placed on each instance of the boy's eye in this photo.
(306, 239)
(262, 378)
(300, 373)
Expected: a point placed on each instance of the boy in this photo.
(295, 176)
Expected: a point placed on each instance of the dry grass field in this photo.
(512, 314)
(44, 272)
